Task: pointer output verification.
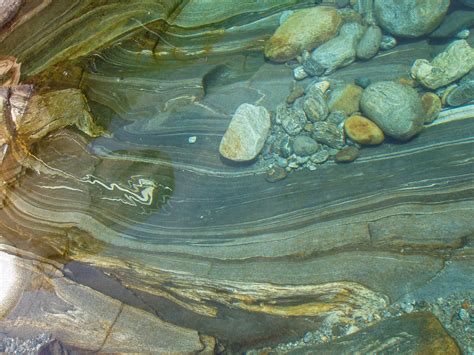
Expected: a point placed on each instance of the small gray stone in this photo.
(463, 34)
(275, 174)
(304, 146)
(369, 44)
(246, 134)
(320, 157)
(283, 146)
(388, 42)
(362, 81)
(328, 133)
(450, 65)
(339, 51)
(462, 94)
(395, 108)
(315, 106)
(336, 117)
(292, 120)
(299, 73)
(311, 66)
(410, 18)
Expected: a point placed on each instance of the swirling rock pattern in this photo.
(140, 224)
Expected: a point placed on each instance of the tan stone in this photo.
(345, 99)
(363, 130)
(305, 29)
(432, 106)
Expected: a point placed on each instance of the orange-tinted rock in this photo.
(432, 106)
(363, 130)
(305, 29)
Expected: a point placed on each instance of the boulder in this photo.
(246, 134)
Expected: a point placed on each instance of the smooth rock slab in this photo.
(410, 18)
(246, 133)
(395, 108)
(304, 29)
(455, 62)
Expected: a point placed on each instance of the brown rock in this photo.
(432, 106)
(345, 99)
(363, 131)
(297, 92)
(347, 155)
(305, 29)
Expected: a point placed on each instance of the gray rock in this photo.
(310, 66)
(299, 73)
(320, 157)
(366, 9)
(336, 117)
(328, 133)
(8, 10)
(246, 134)
(410, 18)
(283, 146)
(395, 108)
(455, 62)
(315, 106)
(463, 34)
(369, 44)
(362, 81)
(388, 42)
(275, 174)
(341, 50)
(462, 94)
(292, 120)
(304, 146)
(453, 23)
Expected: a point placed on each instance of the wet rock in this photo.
(299, 73)
(304, 146)
(283, 146)
(410, 18)
(275, 173)
(315, 106)
(292, 120)
(311, 67)
(362, 81)
(463, 34)
(304, 29)
(395, 108)
(345, 98)
(362, 130)
(462, 94)
(346, 155)
(320, 157)
(369, 44)
(297, 92)
(246, 134)
(431, 105)
(448, 66)
(336, 117)
(341, 50)
(453, 23)
(388, 42)
(8, 9)
(328, 133)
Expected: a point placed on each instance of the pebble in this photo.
(388, 42)
(300, 31)
(362, 81)
(320, 157)
(281, 162)
(304, 146)
(299, 73)
(341, 50)
(345, 99)
(246, 134)
(364, 131)
(369, 44)
(431, 105)
(275, 174)
(463, 34)
(315, 107)
(410, 18)
(283, 146)
(347, 155)
(462, 94)
(336, 117)
(310, 66)
(328, 133)
(395, 108)
(297, 92)
(464, 315)
(292, 120)
(192, 139)
(450, 65)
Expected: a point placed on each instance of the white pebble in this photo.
(192, 139)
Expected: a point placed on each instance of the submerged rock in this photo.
(455, 62)
(363, 131)
(304, 146)
(345, 99)
(369, 44)
(453, 23)
(246, 134)
(388, 42)
(304, 29)
(8, 9)
(341, 50)
(462, 94)
(275, 173)
(395, 108)
(292, 120)
(315, 106)
(328, 133)
(431, 105)
(410, 18)
(347, 155)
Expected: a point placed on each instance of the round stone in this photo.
(363, 130)
(315, 107)
(346, 155)
(304, 146)
(410, 18)
(431, 105)
(275, 173)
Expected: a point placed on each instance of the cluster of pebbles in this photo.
(329, 120)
